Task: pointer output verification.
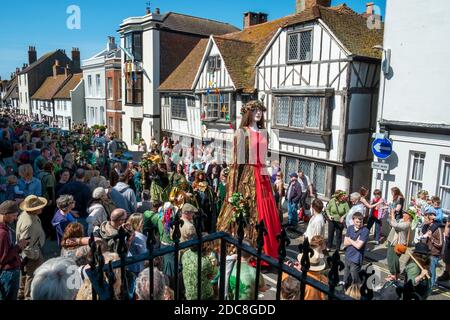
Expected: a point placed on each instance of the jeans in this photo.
(434, 264)
(9, 284)
(292, 213)
(351, 273)
(378, 224)
(335, 226)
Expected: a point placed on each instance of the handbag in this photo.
(400, 248)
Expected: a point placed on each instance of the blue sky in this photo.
(42, 23)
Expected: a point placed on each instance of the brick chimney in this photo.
(76, 62)
(32, 55)
(253, 18)
(111, 44)
(302, 5)
(24, 66)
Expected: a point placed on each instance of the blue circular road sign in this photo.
(382, 148)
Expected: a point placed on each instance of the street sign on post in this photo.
(380, 166)
(382, 148)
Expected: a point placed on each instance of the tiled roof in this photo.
(72, 83)
(12, 92)
(195, 25)
(241, 50)
(50, 87)
(183, 76)
(353, 31)
(37, 62)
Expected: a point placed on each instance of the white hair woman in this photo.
(357, 206)
(143, 285)
(56, 279)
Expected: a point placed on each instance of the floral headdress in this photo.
(253, 105)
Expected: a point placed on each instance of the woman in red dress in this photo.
(249, 176)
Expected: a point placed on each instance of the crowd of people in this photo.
(67, 188)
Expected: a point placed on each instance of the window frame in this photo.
(231, 104)
(109, 88)
(214, 63)
(311, 175)
(184, 109)
(325, 101)
(133, 129)
(298, 34)
(411, 180)
(134, 46)
(90, 85)
(444, 159)
(134, 90)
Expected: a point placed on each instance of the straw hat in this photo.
(317, 263)
(33, 203)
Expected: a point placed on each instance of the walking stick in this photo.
(417, 262)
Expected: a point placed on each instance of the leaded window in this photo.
(178, 107)
(299, 112)
(315, 171)
(300, 46)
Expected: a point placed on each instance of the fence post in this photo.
(92, 263)
(240, 233)
(366, 292)
(151, 240)
(122, 250)
(223, 268)
(262, 231)
(305, 264)
(283, 241)
(336, 265)
(175, 225)
(199, 219)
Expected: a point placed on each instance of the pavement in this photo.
(375, 254)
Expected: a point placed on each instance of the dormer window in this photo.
(214, 63)
(300, 46)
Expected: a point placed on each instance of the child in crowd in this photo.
(12, 189)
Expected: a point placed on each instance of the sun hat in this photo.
(316, 262)
(33, 203)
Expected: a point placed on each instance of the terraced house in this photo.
(318, 74)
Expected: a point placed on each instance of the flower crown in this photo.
(253, 105)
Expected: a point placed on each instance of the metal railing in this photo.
(102, 290)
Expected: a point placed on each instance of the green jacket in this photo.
(153, 218)
(337, 210)
(423, 288)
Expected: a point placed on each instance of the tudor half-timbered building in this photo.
(320, 77)
(201, 99)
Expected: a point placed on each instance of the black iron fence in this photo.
(103, 290)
